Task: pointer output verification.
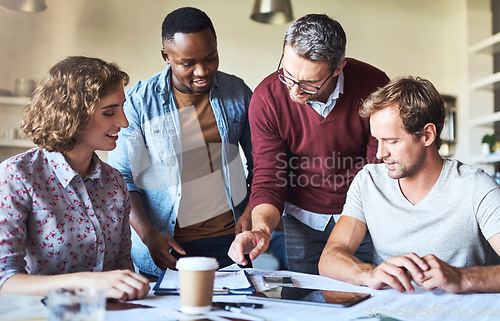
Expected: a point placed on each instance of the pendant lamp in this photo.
(24, 5)
(272, 11)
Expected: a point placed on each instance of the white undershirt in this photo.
(318, 221)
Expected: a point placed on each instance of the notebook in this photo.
(225, 282)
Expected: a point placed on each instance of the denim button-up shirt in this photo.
(149, 151)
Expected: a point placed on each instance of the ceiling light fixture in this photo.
(24, 5)
(272, 11)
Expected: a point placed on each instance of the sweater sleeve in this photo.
(371, 150)
(378, 79)
(269, 184)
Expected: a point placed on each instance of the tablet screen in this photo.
(311, 296)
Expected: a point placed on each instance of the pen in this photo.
(221, 291)
(223, 305)
(233, 309)
(240, 311)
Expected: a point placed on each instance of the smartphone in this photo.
(311, 296)
(272, 281)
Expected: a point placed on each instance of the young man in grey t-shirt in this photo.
(432, 221)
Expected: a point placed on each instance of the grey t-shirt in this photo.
(453, 221)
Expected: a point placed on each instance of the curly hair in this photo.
(418, 101)
(185, 20)
(64, 101)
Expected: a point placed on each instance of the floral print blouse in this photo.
(53, 222)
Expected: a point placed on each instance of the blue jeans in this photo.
(212, 247)
(304, 245)
(277, 248)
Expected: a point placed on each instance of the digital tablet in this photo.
(311, 296)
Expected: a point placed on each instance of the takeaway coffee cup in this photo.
(196, 281)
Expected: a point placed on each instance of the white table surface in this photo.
(421, 305)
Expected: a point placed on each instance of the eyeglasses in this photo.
(304, 87)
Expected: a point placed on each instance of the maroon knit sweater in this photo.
(304, 158)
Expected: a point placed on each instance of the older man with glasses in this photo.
(308, 142)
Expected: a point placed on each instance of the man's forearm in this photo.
(138, 219)
(484, 279)
(337, 260)
(265, 217)
(336, 263)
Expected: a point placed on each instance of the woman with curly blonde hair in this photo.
(63, 212)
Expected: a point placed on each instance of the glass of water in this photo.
(76, 304)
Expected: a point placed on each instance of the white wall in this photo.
(419, 37)
(425, 38)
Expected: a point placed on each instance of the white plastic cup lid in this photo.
(197, 263)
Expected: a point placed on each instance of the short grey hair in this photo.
(317, 37)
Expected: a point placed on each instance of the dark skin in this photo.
(194, 61)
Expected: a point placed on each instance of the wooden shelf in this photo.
(487, 83)
(481, 55)
(489, 45)
(490, 158)
(14, 100)
(22, 143)
(10, 142)
(486, 120)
